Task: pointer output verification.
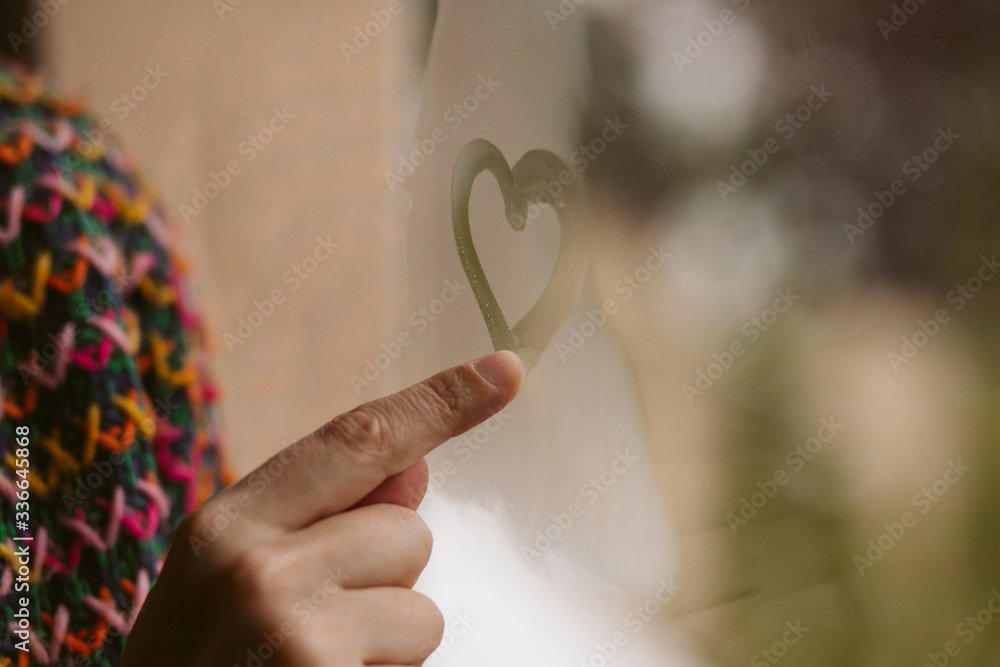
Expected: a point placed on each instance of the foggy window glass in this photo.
(549, 524)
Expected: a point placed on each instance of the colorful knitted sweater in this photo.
(106, 431)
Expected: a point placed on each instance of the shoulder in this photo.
(101, 362)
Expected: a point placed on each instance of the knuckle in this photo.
(202, 533)
(430, 617)
(190, 526)
(423, 532)
(445, 395)
(417, 535)
(254, 574)
(420, 533)
(361, 433)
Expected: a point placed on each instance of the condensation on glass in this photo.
(549, 524)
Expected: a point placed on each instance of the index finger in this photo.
(333, 468)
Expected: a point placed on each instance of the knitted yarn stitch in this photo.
(102, 359)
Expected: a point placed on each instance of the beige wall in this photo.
(320, 177)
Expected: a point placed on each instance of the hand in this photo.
(309, 561)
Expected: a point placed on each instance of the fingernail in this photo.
(500, 369)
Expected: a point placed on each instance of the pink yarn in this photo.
(93, 357)
(106, 611)
(139, 599)
(104, 257)
(41, 552)
(142, 262)
(104, 208)
(143, 530)
(115, 516)
(158, 230)
(107, 324)
(155, 495)
(60, 623)
(36, 213)
(64, 346)
(15, 205)
(55, 142)
(85, 532)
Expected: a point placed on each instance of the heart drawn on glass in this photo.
(538, 178)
